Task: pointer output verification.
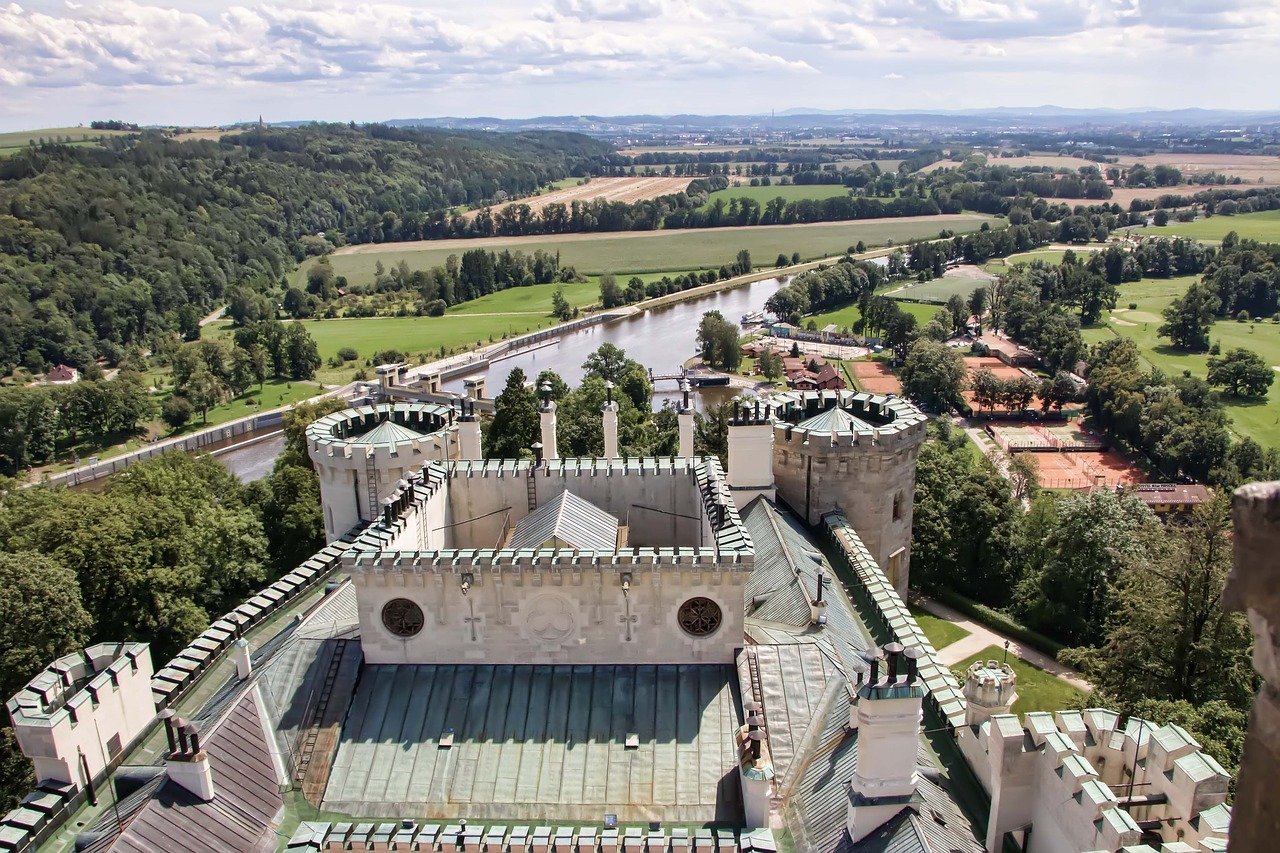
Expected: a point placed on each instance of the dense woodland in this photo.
(102, 248)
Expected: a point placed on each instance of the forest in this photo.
(104, 248)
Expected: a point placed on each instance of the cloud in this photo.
(892, 75)
(603, 10)
(811, 31)
(985, 50)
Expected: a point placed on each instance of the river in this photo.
(661, 339)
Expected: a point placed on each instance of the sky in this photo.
(201, 62)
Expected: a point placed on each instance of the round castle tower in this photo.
(361, 453)
(841, 450)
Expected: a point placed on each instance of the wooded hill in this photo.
(103, 248)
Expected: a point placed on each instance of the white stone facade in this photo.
(84, 710)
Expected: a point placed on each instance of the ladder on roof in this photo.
(308, 746)
(532, 486)
(371, 485)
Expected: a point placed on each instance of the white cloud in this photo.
(892, 75)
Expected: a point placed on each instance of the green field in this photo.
(1264, 226)
(1037, 689)
(660, 251)
(1261, 420)
(939, 290)
(415, 335)
(20, 138)
(764, 195)
(939, 631)
(534, 299)
(1053, 257)
(848, 315)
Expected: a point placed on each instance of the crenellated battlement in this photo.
(506, 561)
(63, 687)
(388, 434)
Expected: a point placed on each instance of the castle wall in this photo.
(557, 608)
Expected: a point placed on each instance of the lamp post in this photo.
(1006, 651)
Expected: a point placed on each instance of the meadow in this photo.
(939, 290)
(658, 251)
(1259, 419)
(764, 195)
(848, 315)
(1053, 257)
(534, 299)
(21, 138)
(1263, 226)
(1037, 689)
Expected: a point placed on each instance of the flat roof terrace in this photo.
(541, 742)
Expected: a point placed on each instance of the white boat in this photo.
(752, 318)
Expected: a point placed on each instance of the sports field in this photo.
(1052, 257)
(1084, 469)
(1033, 436)
(764, 195)
(1263, 226)
(1259, 419)
(848, 315)
(658, 251)
(874, 377)
(939, 290)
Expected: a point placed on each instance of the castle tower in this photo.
(360, 454)
(990, 688)
(855, 453)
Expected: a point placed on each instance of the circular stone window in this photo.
(402, 617)
(699, 617)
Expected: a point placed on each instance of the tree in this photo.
(978, 303)
(1188, 317)
(177, 411)
(958, 311)
(1094, 537)
(711, 431)
(610, 294)
(288, 504)
(770, 364)
(718, 342)
(560, 308)
(932, 375)
(204, 390)
(610, 363)
(742, 265)
(515, 422)
(41, 616)
(1023, 476)
(302, 355)
(1242, 372)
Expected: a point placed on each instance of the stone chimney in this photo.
(818, 601)
(750, 452)
(990, 688)
(547, 411)
(684, 418)
(240, 654)
(888, 722)
(1254, 587)
(609, 412)
(187, 764)
(755, 767)
(469, 431)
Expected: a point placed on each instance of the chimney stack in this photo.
(888, 714)
(684, 419)
(240, 654)
(750, 454)
(609, 412)
(187, 764)
(817, 605)
(755, 767)
(469, 431)
(547, 412)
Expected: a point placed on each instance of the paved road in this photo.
(980, 637)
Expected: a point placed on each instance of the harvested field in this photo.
(1084, 469)
(874, 377)
(608, 189)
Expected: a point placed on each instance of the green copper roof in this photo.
(832, 421)
(388, 433)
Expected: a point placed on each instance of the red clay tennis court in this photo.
(1084, 469)
(874, 377)
(974, 363)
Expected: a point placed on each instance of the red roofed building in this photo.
(62, 375)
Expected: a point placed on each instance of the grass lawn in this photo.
(848, 315)
(535, 299)
(659, 251)
(1263, 226)
(939, 290)
(415, 335)
(1259, 419)
(764, 195)
(1037, 689)
(939, 631)
(1053, 257)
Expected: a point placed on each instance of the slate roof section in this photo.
(534, 741)
(569, 521)
(387, 434)
(832, 421)
(246, 806)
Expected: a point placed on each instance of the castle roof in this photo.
(387, 433)
(832, 421)
(568, 520)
